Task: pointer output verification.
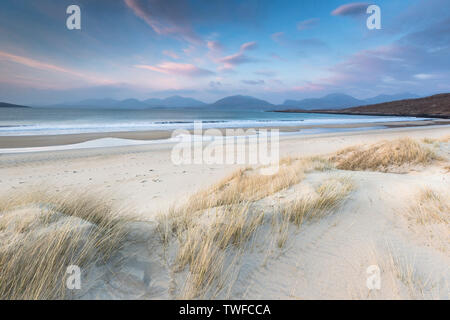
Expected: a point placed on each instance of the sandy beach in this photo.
(64, 139)
(146, 173)
(325, 258)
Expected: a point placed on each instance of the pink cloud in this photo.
(277, 36)
(249, 46)
(214, 46)
(306, 24)
(184, 69)
(165, 18)
(36, 64)
(230, 61)
(350, 9)
(171, 54)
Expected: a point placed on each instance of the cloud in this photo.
(230, 61)
(306, 24)
(171, 54)
(183, 69)
(277, 57)
(165, 17)
(215, 84)
(424, 76)
(36, 64)
(351, 9)
(214, 46)
(177, 18)
(308, 87)
(249, 46)
(394, 68)
(265, 73)
(253, 82)
(434, 37)
(277, 36)
(417, 62)
(312, 43)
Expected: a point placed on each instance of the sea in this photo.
(55, 121)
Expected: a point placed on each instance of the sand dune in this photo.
(313, 236)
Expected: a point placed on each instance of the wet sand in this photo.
(63, 139)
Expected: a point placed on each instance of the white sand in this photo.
(326, 259)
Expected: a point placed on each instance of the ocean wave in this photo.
(96, 127)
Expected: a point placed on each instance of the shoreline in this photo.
(355, 113)
(30, 141)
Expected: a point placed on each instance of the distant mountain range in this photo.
(170, 102)
(330, 101)
(334, 101)
(340, 101)
(244, 102)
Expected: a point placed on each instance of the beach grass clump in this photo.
(250, 184)
(247, 185)
(445, 138)
(205, 244)
(327, 197)
(428, 217)
(431, 207)
(429, 140)
(42, 234)
(385, 156)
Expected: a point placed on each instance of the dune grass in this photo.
(431, 207)
(250, 185)
(42, 234)
(385, 156)
(428, 217)
(429, 140)
(215, 225)
(244, 185)
(328, 196)
(204, 245)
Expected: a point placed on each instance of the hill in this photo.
(388, 98)
(10, 105)
(341, 101)
(170, 102)
(240, 101)
(435, 106)
(330, 101)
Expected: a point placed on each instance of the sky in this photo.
(205, 49)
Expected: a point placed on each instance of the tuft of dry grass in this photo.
(428, 140)
(249, 185)
(445, 139)
(203, 246)
(329, 195)
(384, 156)
(402, 276)
(42, 234)
(431, 207)
(429, 218)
